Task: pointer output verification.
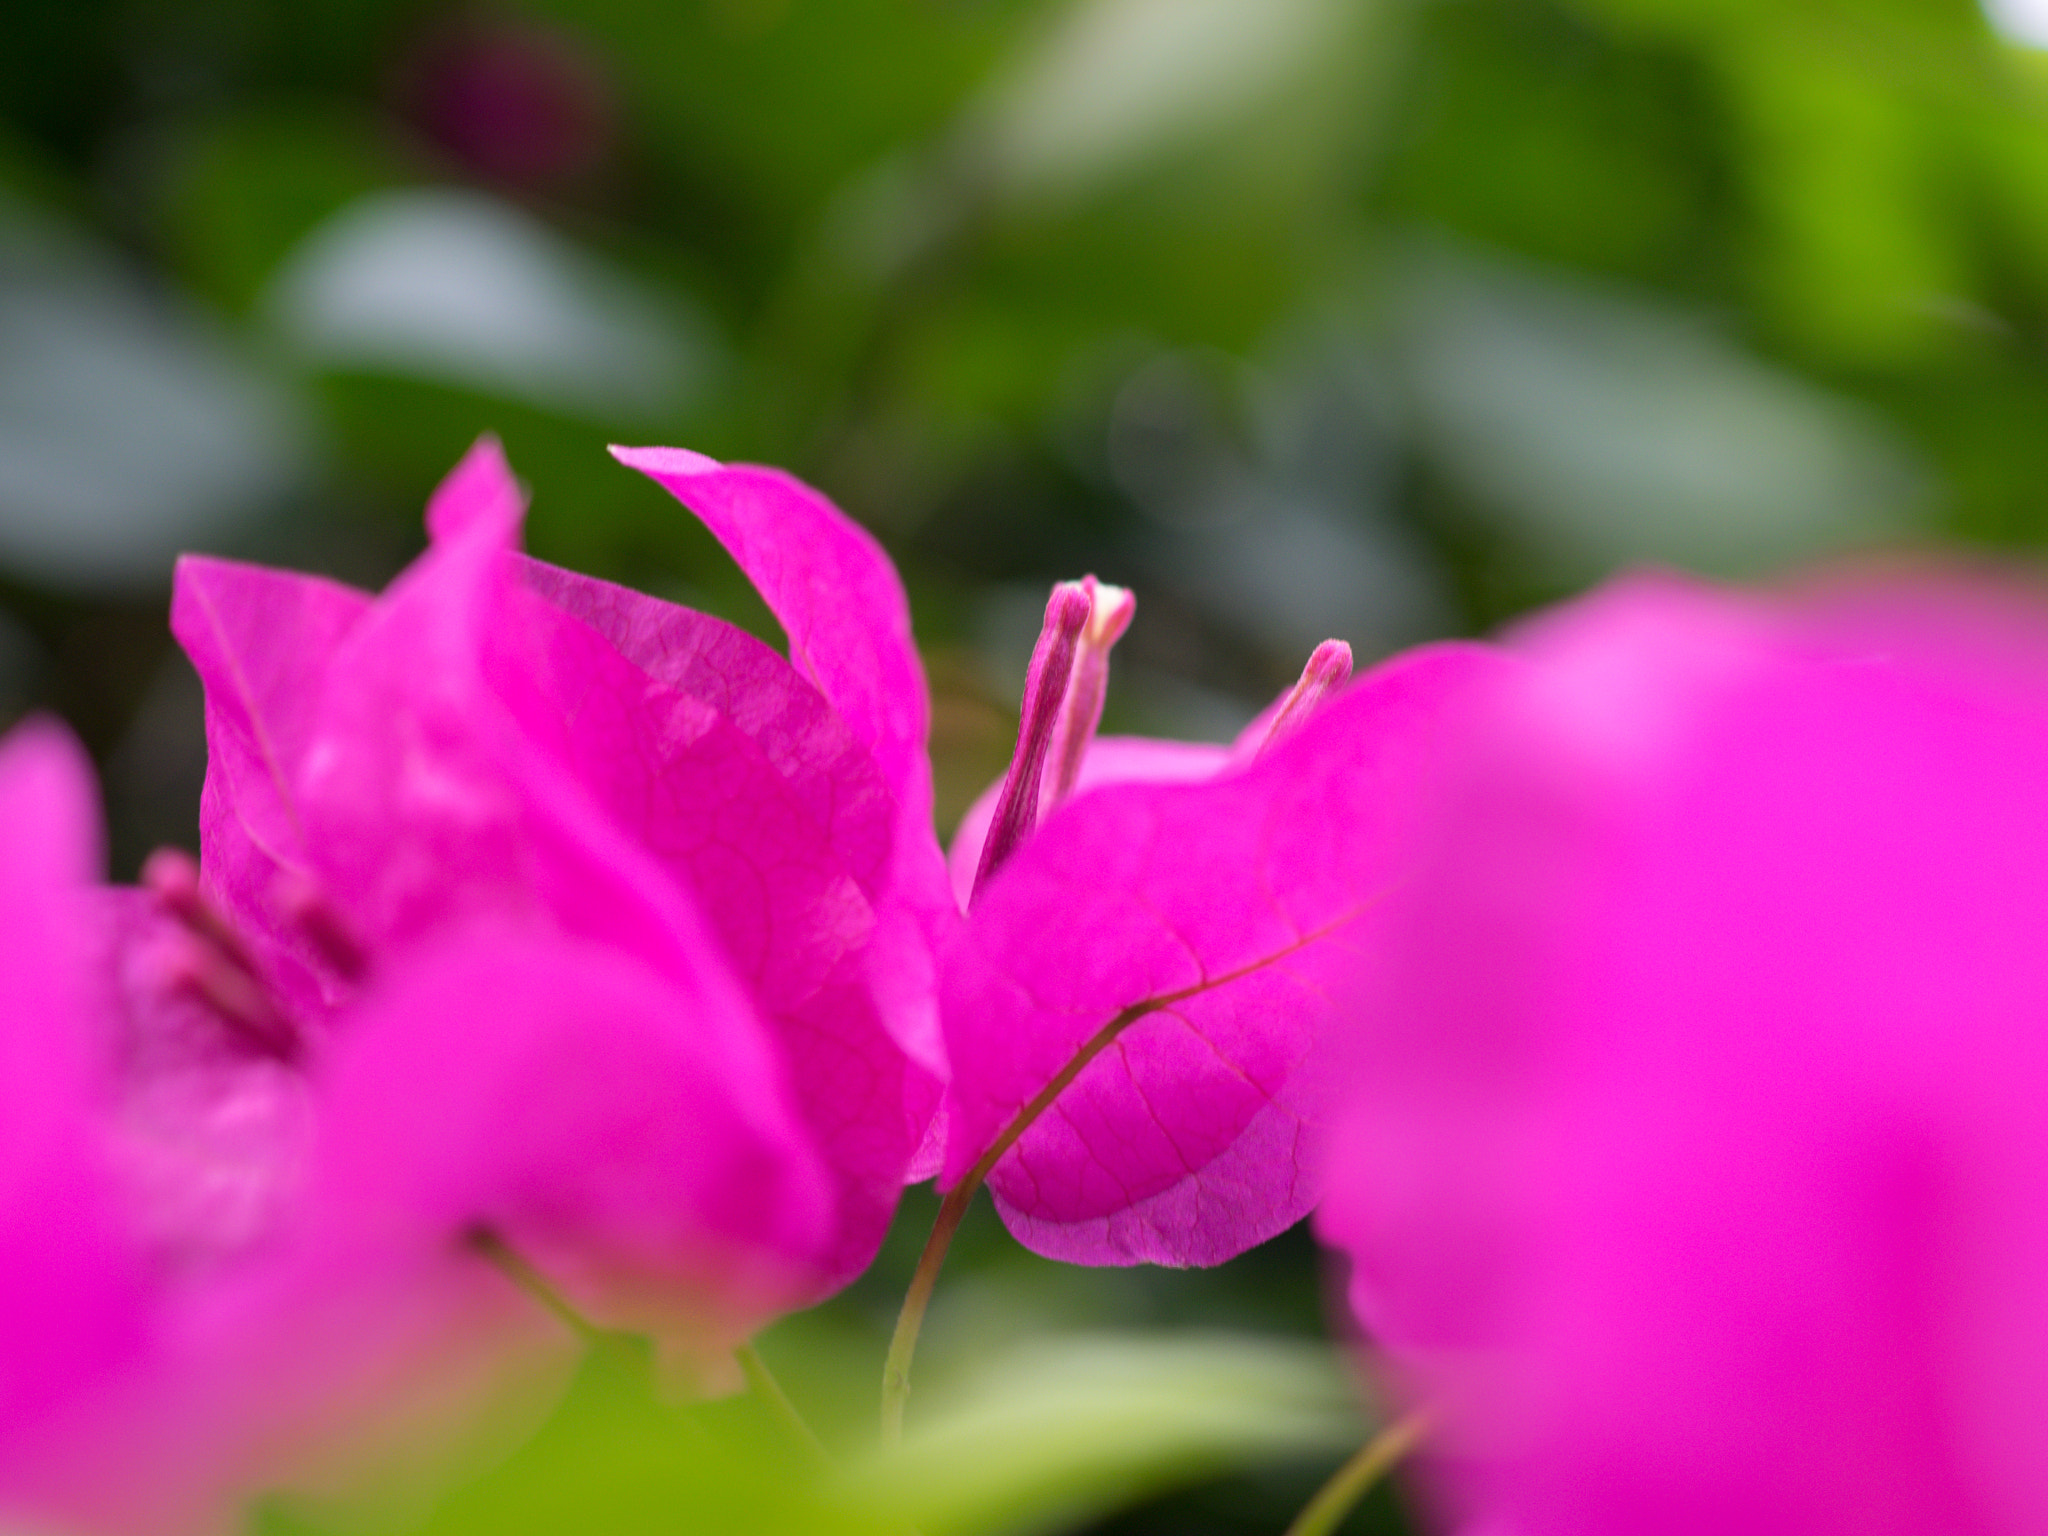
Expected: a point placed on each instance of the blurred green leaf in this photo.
(1526, 128)
(466, 288)
(243, 188)
(1853, 254)
(617, 1459)
(1062, 1429)
(1605, 430)
(1039, 1438)
(1113, 82)
(130, 426)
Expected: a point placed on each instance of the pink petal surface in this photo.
(49, 844)
(261, 641)
(706, 801)
(82, 1306)
(582, 1117)
(583, 1114)
(206, 1136)
(71, 1302)
(714, 758)
(835, 593)
(500, 741)
(747, 684)
(566, 1099)
(1217, 916)
(479, 498)
(837, 597)
(430, 811)
(1697, 1172)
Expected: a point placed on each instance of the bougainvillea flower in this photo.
(1154, 934)
(229, 1236)
(498, 741)
(1697, 1174)
(840, 602)
(587, 1147)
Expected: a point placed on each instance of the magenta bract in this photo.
(226, 1244)
(840, 602)
(1175, 930)
(497, 744)
(1696, 1177)
(261, 641)
(837, 596)
(592, 1129)
(72, 1298)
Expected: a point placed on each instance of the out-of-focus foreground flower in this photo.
(68, 1291)
(544, 933)
(1697, 1173)
(241, 1241)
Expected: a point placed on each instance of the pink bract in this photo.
(227, 1248)
(841, 604)
(1696, 1177)
(1174, 931)
(496, 742)
(71, 1298)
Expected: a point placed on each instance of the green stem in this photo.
(910, 1321)
(896, 1369)
(512, 1264)
(1348, 1484)
(761, 1381)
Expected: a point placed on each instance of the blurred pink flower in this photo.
(70, 1296)
(496, 746)
(229, 1237)
(1155, 933)
(1696, 1176)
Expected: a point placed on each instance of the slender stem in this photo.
(761, 1381)
(1348, 1484)
(513, 1265)
(896, 1369)
(910, 1321)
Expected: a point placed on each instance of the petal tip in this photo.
(665, 461)
(480, 490)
